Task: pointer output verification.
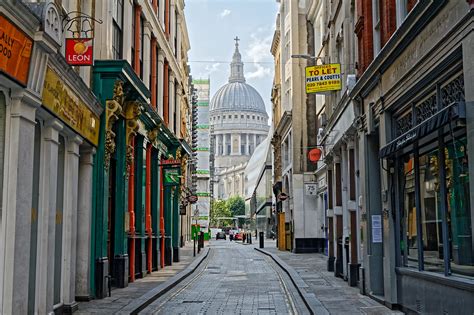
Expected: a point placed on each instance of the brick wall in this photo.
(364, 31)
(388, 20)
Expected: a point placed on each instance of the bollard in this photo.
(250, 238)
(260, 235)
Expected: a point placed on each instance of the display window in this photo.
(435, 218)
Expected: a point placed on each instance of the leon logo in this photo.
(79, 51)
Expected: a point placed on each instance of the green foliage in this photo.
(219, 209)
(236, 205)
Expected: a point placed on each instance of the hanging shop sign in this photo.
(192, 198)
(79, 51)
(323, 78)
(15, 51)
(65, 104)
(170, 162)
(171, 176)
(314, 155)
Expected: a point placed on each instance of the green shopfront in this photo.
(135, 224)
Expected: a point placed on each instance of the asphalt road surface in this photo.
(234, 279)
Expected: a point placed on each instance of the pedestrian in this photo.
(231, 235)
(243, 237)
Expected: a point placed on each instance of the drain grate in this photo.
(196, 302)
(266, 309)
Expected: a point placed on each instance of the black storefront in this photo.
(430, 186)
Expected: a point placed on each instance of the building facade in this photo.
(203, 150)
(96, 200)
(393, 190)
(240, 123)
(415, 107)
(295, 129)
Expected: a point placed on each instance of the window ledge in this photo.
(452, 281)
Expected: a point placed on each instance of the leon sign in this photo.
(15, 51)
(323, 78)
(79, 51)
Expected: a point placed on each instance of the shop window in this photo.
(409, 242)
(459, 209)
(435, 216)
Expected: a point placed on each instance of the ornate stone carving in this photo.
(131, 112)
(52, 22)
(113, 108)
(152, 135)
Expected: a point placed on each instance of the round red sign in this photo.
(314, 155)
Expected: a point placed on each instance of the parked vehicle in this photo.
(238, 236)
(220, 235)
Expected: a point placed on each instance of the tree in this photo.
(236, 205)
(220, 209)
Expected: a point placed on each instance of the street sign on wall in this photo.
(323, 78)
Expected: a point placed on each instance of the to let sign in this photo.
(323, 78)
(15, 51)
(79, 51)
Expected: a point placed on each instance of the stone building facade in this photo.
(88, 204)
(394, 180)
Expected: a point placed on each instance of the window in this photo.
(133, 36)
(376, 21)
(242, 116)
(401, 11)
(435, 214)
(243, 143)
(142, 38)
(117, 15)
(236, 116)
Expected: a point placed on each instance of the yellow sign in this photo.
(64, 103)
(323, 78)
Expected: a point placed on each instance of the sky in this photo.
(213, 25)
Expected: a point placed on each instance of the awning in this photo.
(453, 111)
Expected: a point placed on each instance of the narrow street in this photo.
(234, 279)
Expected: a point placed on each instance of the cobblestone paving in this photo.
(334, 293)
(235, 279)
(121, 297)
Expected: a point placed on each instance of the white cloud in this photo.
(225, 13)
(259, 51)
(260, 72)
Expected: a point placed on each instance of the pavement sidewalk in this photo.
(334, 293)
(122, 297)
